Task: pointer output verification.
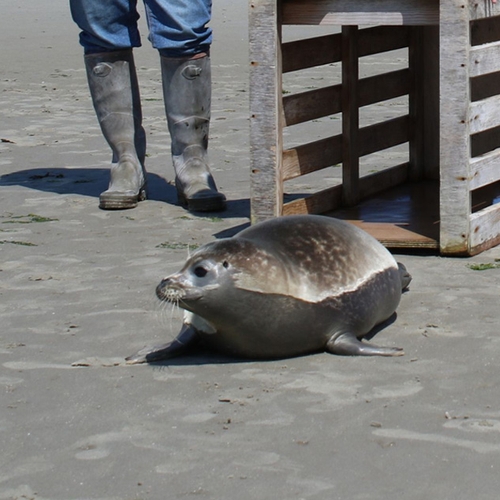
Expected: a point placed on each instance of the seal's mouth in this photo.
(169, 292)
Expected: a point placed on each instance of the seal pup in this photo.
(285, 287)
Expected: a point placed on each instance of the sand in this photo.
(77, 296)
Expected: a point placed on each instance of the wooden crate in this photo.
(443, 196)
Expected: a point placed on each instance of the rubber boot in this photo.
(115, 94)
(187, 94)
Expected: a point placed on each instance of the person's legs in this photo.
(109, 31)
(179, 30)
(106, 24)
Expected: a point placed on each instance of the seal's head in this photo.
(217, 269)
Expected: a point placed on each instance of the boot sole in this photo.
(121, 201)
(209, 204)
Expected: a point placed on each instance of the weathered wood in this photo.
(453, 124)
(317, 103)
(381, 39)
(485, 59)
(311, 52)
(455, 136)
(311, 105)
(330, 199)
(479, 9)
(396, 235)
(485, 169)
(323, 153)
(383, 135)
(317, 203)
(485, 114)
(360, 12)
(313, 156)
(382, 87)
(265, 110)
(350, 116)
(484, 228)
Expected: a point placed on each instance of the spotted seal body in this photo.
(286, 287)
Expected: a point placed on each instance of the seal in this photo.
(285, 287)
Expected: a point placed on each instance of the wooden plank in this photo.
(318, 203)
(424, 102)
(311, 52)
(317, 155)
(485, 169)
(484, 228)
(479, 9)
(383, 135)
(311, 105)
(361, 12)
(382, 87)
(330, 199)
(485, 114)
(313, 156)
(395, 235)
(381, 39)
(317, 103)
(350, 116)
(485, 59)
(265, 110)
(455, 135)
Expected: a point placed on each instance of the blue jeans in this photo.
(177, 28)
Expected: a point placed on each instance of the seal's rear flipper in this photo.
(346, 344)
(187, 337)
(405, 277)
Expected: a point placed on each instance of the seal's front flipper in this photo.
(187, 337)
(346, 344)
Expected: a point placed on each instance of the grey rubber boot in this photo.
(187, 89)
(115, 94)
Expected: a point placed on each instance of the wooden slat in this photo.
(318, 203)
(330, 199)
(317, 155)
(360, 12)
(479, 9)
(311, 105)
(317, 103)
(454, 128)
(350, 116)
(321, 50)
(485, 169)
(311, 157)
(383, 135)
(311, 52)
(484, 228)
(382, 39)
(485, 114)
(265, 110)
(485, 59)
(396, 235)
(382, 87)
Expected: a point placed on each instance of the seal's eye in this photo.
(225, 264)
(201, 272)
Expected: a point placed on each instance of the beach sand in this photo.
(77, 296)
